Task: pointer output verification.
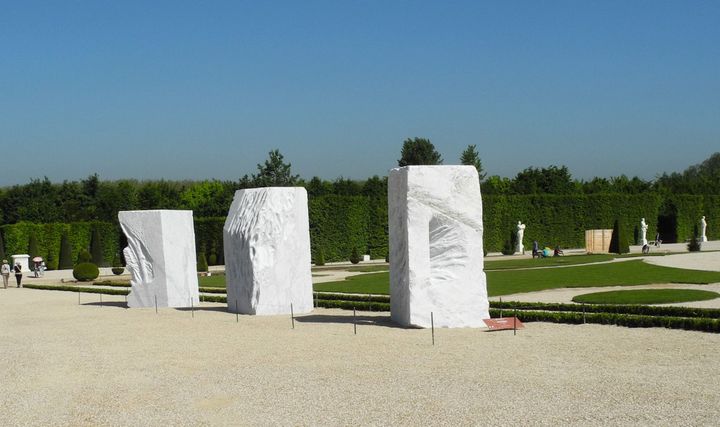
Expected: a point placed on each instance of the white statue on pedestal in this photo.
(520, 234)
(643, 232)
(703, 227)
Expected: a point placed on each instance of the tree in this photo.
(2, 247)
(275, 172)
(65, 261)
(551, 180)
(33, 250)
(96, 247)
(471, 157)
(419, 151)
(619, 241)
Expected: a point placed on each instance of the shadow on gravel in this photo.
(114, 304)
(218, 309)
(383, 321)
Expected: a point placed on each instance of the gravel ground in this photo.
(73, 365)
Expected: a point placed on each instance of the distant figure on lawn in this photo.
(558, 251)
(535, 252)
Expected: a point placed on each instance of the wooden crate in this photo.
(598, 241)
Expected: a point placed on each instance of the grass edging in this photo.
(626, 320)
(644, 310)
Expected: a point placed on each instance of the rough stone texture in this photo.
(160, 257)
(267, 251)
(436, 259)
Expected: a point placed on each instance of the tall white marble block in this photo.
(161, 258)
(267, 251)
(436, 247)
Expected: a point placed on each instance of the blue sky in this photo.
(171, 89)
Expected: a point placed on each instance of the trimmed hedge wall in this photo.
(17, 237)
(340, 223)
(562, 220)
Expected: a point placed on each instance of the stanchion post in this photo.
(583, 307)
(237, 312)
(292, 316)
(156, 310)
(432, 327)
(515, 322)
(354, 322)
(500, 306)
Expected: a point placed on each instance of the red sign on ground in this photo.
(503, 323)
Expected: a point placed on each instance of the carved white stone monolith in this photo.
(436, 244)
(267, 252)
(161, 258)
(703, 228)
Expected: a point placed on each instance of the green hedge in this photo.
(340, 223)
(627, 320)
(17, 237)
(562, 220)
(645, 310)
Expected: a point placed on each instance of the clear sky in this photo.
(196, 90)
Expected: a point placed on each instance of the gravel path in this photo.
(73, 365)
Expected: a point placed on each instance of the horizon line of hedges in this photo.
(338, 224)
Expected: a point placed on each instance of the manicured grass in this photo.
(356, 268)
(215, 281)
(373, 283)
(626, 273)
(545, 262)
(646, 296)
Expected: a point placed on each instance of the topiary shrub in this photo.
(354, 256)
(694, 245)
(2, 247)
(52, 261)
(85, 272)
(65, 262)
(619, 241)
(319, 257)
(202, 265)
(96, 247)
(33, 250)
(83, 257)
(508, 248)
(117, 267)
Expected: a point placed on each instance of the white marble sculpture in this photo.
(160, 257)
(436, 245)
(267, 252)
(643, 232)
(703, 227)
(520, 234)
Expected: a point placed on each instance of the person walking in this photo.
(5, 271)
(18, 274)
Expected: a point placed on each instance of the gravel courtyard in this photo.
(65, 364)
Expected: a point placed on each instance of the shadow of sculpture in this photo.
(383, 321)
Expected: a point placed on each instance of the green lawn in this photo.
(545, 262)
(516, 281)
(357, 268)
(646, 296)
(217, 281)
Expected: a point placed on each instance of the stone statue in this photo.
(703, 227)
(643, 232)
(520, 233)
